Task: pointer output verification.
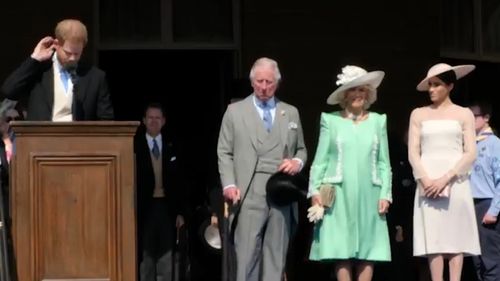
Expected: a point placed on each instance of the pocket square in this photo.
(173, 159)
(292, 126)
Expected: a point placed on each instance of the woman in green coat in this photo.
(352, 156)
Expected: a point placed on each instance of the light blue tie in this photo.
(268, 119)
(156, 149)
(64, 78)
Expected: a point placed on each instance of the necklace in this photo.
(352, 116)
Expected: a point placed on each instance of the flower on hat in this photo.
(349, 73)
(354, 76)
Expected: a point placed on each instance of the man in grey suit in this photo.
(260, 136)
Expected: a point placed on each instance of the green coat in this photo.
(355, 158)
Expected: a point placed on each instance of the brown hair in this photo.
(448, 77)
(71, 30)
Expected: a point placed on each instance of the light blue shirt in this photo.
(65, 76)
(485, 176)
(270, 103)
(150, 141)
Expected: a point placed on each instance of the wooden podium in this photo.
(72, 201)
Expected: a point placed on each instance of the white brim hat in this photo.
(212, 236)
(354, 76)
(435, 70)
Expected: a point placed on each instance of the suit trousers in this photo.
(488, 264)
(261, 235)
(158, 239)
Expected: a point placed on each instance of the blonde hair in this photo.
(71, 30)
(371, 91)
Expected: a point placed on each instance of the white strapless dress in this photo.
(444, 224)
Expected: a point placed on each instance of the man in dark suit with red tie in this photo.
(160, 200)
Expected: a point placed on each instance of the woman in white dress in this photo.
(441, 150)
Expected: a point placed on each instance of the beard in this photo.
(70, 66)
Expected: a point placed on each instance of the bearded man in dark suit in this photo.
(56, 85)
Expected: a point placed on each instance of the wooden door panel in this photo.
(74, 213)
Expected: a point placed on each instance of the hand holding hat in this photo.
(284, 189)
(232, 194)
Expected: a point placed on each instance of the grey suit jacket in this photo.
(236, 148)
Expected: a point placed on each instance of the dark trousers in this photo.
(157, 241)
(488, 264)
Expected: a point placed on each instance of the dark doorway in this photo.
(193, 86)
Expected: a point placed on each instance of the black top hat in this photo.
(283, 189)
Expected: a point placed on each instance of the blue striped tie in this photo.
(268, 119)
(156, 149)
(65, 76)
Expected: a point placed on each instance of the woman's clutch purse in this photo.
(327, 194)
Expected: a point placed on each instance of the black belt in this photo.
(478, 200)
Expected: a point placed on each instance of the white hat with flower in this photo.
(353, 76)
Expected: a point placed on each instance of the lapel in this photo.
(79, 90)
(168, 166)
(147, 154)
(80, 93)
(146, 158)
(281, 118)
(164, 153)
(48, 86)
(252, 122)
